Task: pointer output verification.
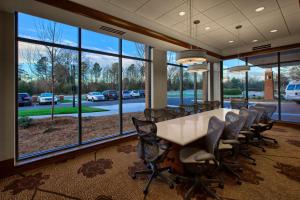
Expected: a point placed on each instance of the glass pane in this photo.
(171, 57)
(290, 85)
(200, 87)
(100, 95)
(100, 42)
(37, 28)
(173, 73)
(233, 83)
(133, 49)
(188, 87)
(263, 80)
(47, 98)
(134, 78)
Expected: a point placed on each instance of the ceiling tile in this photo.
(221, 10)
(203, 5)
(293, 23)
(248, 7)
(284, 3)
(155, 8)
(290, 9)
(234, 18)
(173, 16)
(130, 5)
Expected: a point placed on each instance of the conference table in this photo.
(186, 130)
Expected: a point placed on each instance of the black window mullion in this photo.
(246, 82)
(79, 88)
(278, 85)
(181, 85)
(120, 87)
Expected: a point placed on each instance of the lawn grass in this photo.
(57, 111)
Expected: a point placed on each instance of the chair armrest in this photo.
(230, 142)
(165, 146)
(246, 132)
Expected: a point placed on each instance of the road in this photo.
(290, 111)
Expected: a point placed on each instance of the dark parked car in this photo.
(142, 93)
(24, 99)
(110, 94)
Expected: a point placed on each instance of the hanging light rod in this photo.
(192, 56)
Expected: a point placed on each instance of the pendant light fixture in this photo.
(191, 56)
(239, 68)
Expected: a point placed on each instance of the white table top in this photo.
(185, 130)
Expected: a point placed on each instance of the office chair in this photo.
(198, 157)
(266, 122)
(238, 103)
(158, 115)
(257, 128)
(190, 108)
(175, 111)
(152, 152)
(230, 142)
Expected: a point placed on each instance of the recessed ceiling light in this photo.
(259, 9)
(231, 41)
(273, 31)
(254, 40)
(181, 13)
(207, 28)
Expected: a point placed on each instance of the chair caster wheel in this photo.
(254, 163)
(170, 170)
(145, 192)
(133, 176)
(239, 182)
(221, 185)
(275, 142)
(171, 186)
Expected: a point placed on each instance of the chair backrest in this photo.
(269, 109)
(158, 115)
(251, 116)
(233, 125)
(260, 113)
(190, 108)
(148, 147)
(214, 133)
(238, 103)
(175, 111)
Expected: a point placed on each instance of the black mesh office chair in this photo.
(266, 122)
(151, 151)
(257, 128)
(230, 142)
(190, 108)
(238, 103)
(204, 157)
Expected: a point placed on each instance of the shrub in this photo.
(234, 91)
(24, 122)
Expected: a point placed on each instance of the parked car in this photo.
(110, 94)
(126, 94)
(292, 91)
(46, 98)
(142, 93)
(95, 96)
(135, 93)
(24, 99)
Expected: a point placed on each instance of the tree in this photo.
(96, 70)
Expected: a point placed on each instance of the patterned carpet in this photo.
(104, 175)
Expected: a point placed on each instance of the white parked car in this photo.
(46, 98)
(135, 93)
(292, 91)
(95, 96)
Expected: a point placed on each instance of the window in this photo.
(234, 84)
(188, 87)
(63, 102)
(173, 85)
(133, 49)
(99, 42)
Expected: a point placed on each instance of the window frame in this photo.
(80, 50)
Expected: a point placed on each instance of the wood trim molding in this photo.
(104, 17)
(8, 167)
(264, 51)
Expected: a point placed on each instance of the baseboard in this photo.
(9, 167)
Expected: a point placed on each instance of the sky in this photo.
(30, 27)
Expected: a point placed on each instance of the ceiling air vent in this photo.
(111, 30)
(266, 46)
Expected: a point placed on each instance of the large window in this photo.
(269, 81)
(173, 86)
(69, 94)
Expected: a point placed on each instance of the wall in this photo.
(159, 79)
(7, 86)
